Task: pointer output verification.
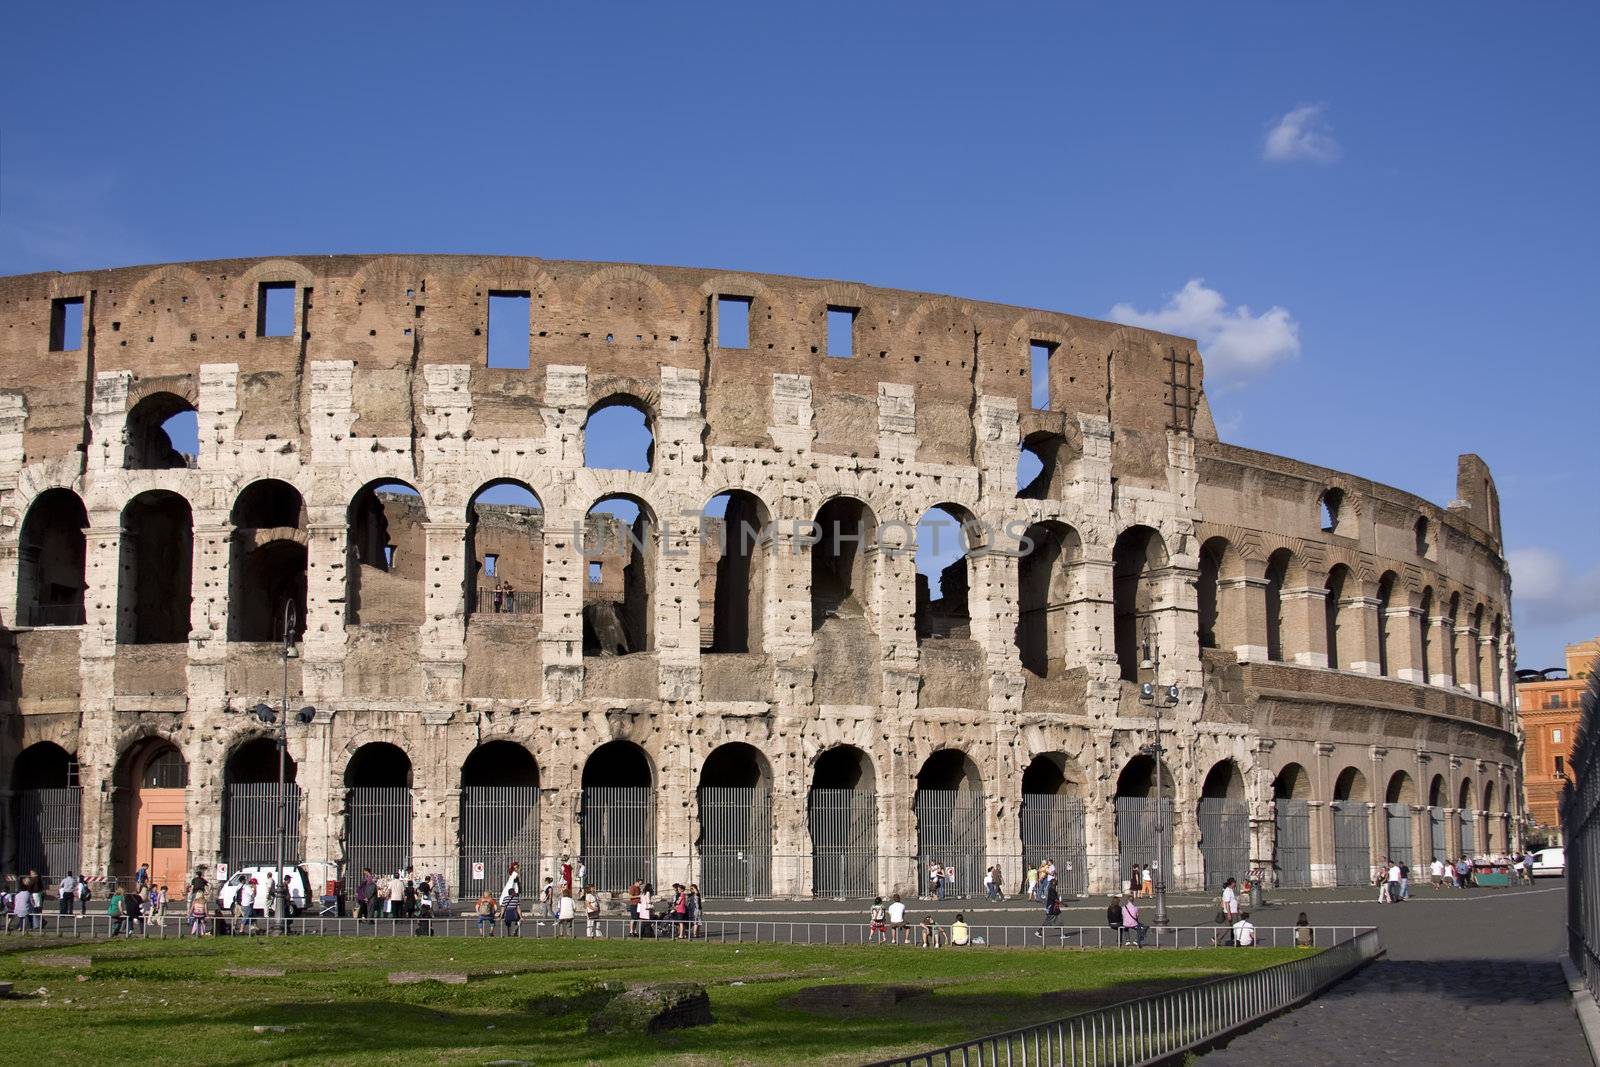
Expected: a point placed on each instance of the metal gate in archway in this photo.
(1224, 840)
(1441, 847)
(1398, 817)
(499, 826)
(1292, 825)
(950, 832)
(1053, 829)
(1469, 832)
(619, 835)
(48, 827)
(1352, 843)
(735, 841)
(252, 836)
(844, 843)
(1137, 818)
(377, 830)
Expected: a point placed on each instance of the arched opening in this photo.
(499, 815)
(1398, 798)
(1474, 651)
(1385, 603)
(1207, 589)
(949, 809)
(1277, 573)
(1468, 816)
(149, 822)
(1490, 822)
(163, 432)
(1330, 510)
(1352, 839)
(619, 549)
(619, 816)
(505, 553)
(1423, 536)
(734, 555)
(618, 436)
(250, 806)
(153, 592)
(268, 566)
(1224, 817)
(1438, 800)
(1332, 606)
(377, 810)
(387, 561)
(944, 538)
(1052, 820)
(1044, 588)
(1042, 466)
(1452, 645)
(735, 843)
(1497, 659)
(1291, 802)
(842, 810)
(1425, 635)
(47, 812)
(843, 567)
(50, 560)
(1144, 823)
(1137, 561)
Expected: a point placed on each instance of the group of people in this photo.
(886, 925)
(399, 896)
(504, 598)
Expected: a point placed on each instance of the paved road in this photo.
(1470, 978)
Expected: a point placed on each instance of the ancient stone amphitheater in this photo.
(728, 665)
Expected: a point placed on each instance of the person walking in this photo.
(989, 890)
(114, 909)
(85, 891)
(1393, 875)
(247, 907)
(134, 903)
(1052, 908)
(1405, 881)
(1130, 922)
(1381, 876)
(591, 910)
(1032, 890)
(1230, 900)
(1149, 880)
(158, 906)
(1436, 873)
(68, 892)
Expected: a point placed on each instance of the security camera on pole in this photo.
(1153, 694)
(269, 715)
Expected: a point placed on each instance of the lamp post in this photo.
(267, 714)
(1153, 694)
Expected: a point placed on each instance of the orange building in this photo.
(1550, 703)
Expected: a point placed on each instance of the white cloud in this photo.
(1301, 135)
(1235, 342)
(1545, 590)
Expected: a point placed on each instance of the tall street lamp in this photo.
(267, 714)
(1151, 693)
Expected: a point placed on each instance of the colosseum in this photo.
(725, 661)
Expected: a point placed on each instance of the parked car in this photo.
(1550, 862)
(297, 878)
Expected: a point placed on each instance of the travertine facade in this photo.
(1335, 639)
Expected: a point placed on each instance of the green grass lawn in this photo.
(166, 1001)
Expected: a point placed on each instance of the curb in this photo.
(1583, 1004)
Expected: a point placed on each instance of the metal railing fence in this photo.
(1156, 1027)
(1580, 822)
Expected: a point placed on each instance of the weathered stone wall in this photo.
(383, 379)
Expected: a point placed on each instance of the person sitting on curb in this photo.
(960, 933)
(1130, 921)
(1244, 931)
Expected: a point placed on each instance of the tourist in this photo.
(267, 899)
(566, 911)
(635, 892)
(484, 910)
(696, 911)
(935, 880)
(141, 876)
(1394, 875)
(1136, 881)
(547, 897)
(197, 914)
(1230, 900)
(1114, 917)
(1032, 890)
(68, 892)
(897, 918)
(646, 916)
(989, 889)
(424, 896)
(1381, 878)
(134, 905)
(1463, 873)
(877, 925)
(22, 910)
(85, 891)
(158, 905)
(115, 910)
(591, 911)
(1405, 881)
(1149, 880)
(582, 873)
(1244, 932)
(566, 873)
(366, 890)
(1436, 873)
(511, 915)
(1527, 867)
(960, 933)
(1131, 923)
(1304, 937)
(198, 883)
(1052, 908)
(932, 933)
(397, 895)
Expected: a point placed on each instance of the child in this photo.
(877, 928)
(197, 915)
(1033, 882)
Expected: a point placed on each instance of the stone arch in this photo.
(842, 816)
(1438, 794)
(505, 549)
(1137, 559)
(1335, 590)
(387, 558)
(268, 564)
(944, 547)
(1351, 785)
(378, 809)
(51, 554)
(1386, 591)
(1401, 789)
(1052, 819)
(618, 816)
(1044, 465)
(1292, 783)
(950, 830)
(736, 550)
(844, 562)
(499, 782)
(735, 816)
(250, 802)
(1144, 818)
(1223, 815)
(1044, 591)
(1220, 562)
(150, 779)
(46, 812)
(619, 551)
(619, 433)
(1425, 633)
(156, 426)
(153, 571)
(1279, 566)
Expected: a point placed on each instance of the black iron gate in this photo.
(1293, 832)
(499, 826)
(619, 835)
(1137, 818)
(1224, 840)
(49, 838)
(844, 843)
(251, 836)
(950, 833)
(1053, 829)
(1398, 817)
(377, 830)
(1352, 848)
(735, 841)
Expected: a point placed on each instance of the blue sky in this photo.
(1400, 197)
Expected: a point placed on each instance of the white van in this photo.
(1550, 862)
(228, 892)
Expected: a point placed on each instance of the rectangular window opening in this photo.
(1039, 353)
(1555, 735)
(842, 332)
(66, 324)
(594, 574)
(733, 322)
(510, 327)
(275, 309)
(491, 564)
(1561, 766)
